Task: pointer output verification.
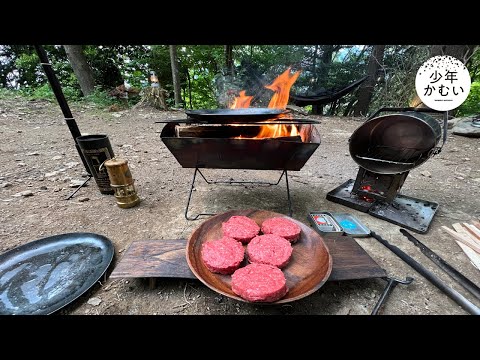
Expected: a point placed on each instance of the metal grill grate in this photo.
(391, 155)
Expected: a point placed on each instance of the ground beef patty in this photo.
(269, 249)
(282, 227)
(259, 283)
(240, 228)
(222, 256)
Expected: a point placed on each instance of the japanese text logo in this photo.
(443, 83)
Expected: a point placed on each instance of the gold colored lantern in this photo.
(121, 182)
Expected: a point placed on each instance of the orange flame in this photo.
(241, 101)
(281, 87)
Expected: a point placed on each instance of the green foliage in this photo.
(471, 106)
(100, 98)
(6, 93)
(159, 61)
(112, 64)
(474, 66)
(28, 63)
(206, 83)
(396, 85)
(11, 75)
(198, 65)
(44, 92)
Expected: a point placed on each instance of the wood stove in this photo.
(386, 148)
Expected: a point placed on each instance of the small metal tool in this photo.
(430, 276)
(442, 264)
(392, 282)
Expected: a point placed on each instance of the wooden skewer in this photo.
(476, 223)
(470, 253)
(473, 230)
(463, 239)
(459, 228)
(464, 231)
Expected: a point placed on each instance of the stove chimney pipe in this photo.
(57, 90)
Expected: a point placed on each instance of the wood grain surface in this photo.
(165, 258)
(154, 258)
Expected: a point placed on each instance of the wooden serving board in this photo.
(167, 259)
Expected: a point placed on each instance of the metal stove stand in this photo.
(232, 182)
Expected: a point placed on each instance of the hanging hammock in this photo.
(326, 96)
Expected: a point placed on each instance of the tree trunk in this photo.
(189, 89)
(365, 93)
(314, 62)
(325, 63)
(316, 109)
(323, 70)
(175, 75)
(461, 52)
(82, 70)
(229, 59)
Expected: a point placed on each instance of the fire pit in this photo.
(243, 138)
(234, 146)
(225, 146)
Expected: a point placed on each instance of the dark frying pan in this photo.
(42, 276)
(234, 115)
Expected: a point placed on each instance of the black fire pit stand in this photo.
(231, 182)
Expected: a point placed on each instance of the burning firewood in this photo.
(219, 131)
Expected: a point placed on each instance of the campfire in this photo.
(243, 137)
(281, 89)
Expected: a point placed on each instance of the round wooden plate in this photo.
(308, 269)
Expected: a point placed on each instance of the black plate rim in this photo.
(45, 241)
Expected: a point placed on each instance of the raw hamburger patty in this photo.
(282, 227)
(240, 228)
(269, 249)
(222, 256)
(259, 283)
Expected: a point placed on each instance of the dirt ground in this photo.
(37, 154)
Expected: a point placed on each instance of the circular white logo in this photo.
(443, 82)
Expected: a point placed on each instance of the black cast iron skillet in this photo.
(42, 276)
(233, 115)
